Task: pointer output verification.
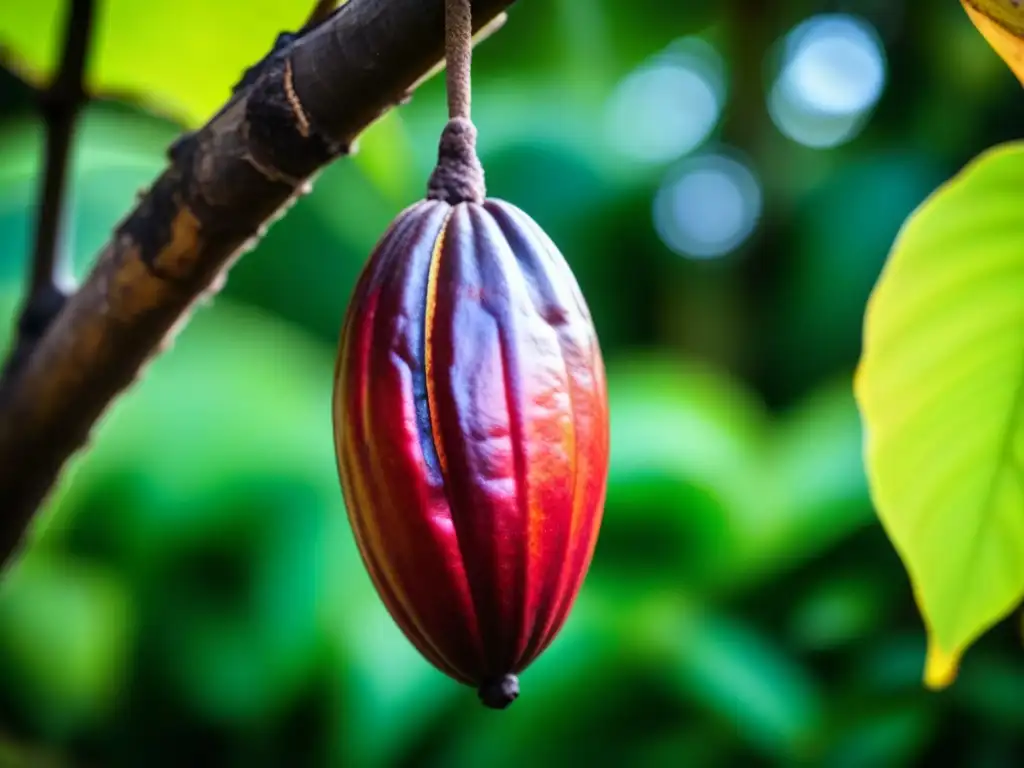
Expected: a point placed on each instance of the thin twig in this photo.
(60, 105)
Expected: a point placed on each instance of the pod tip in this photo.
(499, 692)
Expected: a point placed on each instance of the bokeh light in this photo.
(670, 105)
(708, 206)
(832, 73)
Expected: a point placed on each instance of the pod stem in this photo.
(458, 176)
(458, 54)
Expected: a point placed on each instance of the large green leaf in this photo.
(941, 390)
(181, 57)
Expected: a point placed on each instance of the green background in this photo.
(193, 595)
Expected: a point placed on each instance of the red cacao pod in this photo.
(471, 427)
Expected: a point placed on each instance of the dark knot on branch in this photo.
(458, 176)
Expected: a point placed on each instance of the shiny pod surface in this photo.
(471, 428)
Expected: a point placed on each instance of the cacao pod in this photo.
(471, 428)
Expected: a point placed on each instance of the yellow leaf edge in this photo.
(940, 668)
(942, 664)
(1003, 41)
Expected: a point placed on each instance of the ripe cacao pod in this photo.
(471, 428)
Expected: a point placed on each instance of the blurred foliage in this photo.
(941, 386)
(193, 596)
(142, 50)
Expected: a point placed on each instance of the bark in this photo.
(224, 184)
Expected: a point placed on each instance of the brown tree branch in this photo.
(224, 184)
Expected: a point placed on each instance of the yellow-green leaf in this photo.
(179, 57)
(941, 391)
(1001, 23)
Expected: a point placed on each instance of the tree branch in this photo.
(60, 104)
(225, 183)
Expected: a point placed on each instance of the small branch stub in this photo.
(498, 694)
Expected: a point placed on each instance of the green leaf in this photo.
(399, 695)
(180, 58)
(729, 669)
(267, 410)
(838, 611)
(305, 268)
(386, 156)
(894, 734)
(990, 689)
(941, 390)
(211, 486)
(705, 489)
(815, 491)
(597, 696)
(684, 448)
(66, 631)
(242, 592)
